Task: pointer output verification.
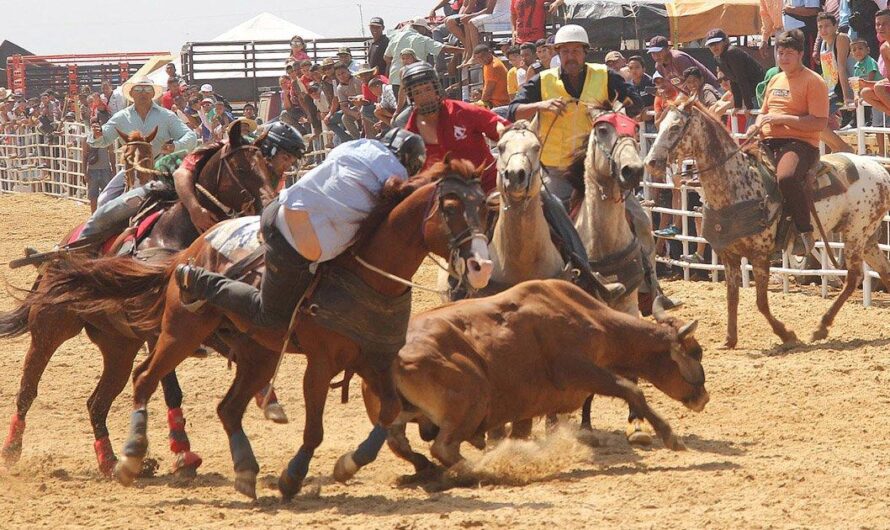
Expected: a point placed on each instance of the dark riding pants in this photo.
(794, 159)
(286, 278)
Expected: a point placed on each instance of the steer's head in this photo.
(677, 370)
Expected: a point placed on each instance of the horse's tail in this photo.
(15, 323)
(108, 285)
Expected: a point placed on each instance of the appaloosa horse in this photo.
(742, 208)
(438, 212)
(238, 179)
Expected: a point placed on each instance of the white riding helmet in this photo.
(571, 33)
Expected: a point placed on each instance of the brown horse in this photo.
(439, 212)
(237, 178)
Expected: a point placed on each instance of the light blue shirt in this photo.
(340, 193)
(422, 45)
(170, 127)
(792, 23)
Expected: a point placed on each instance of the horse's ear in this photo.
(124, 138)
(535, 124)
(501, 128)
(447, 158)
(151, 136)
(261, 138)
(235, 138)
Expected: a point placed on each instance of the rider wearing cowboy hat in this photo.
(114, 206)
(312, 221)
(451, 126)
(557, 95)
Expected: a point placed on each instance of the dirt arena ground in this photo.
(791, 438)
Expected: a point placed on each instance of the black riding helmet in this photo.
(416, 74)
(284, 137)
(408, 148)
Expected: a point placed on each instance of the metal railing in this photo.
(685, 239)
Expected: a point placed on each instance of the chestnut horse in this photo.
(438, 211)
(238, 178)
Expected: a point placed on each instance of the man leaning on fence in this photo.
(114, 206)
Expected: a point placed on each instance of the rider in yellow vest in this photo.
(560, 97)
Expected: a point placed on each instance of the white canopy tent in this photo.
(265, 26)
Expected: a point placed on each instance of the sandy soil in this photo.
(791, 438)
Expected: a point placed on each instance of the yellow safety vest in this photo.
(563, 134)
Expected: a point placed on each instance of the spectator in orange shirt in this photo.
(666, 95)
(494, 77)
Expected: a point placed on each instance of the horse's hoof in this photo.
(791, 338)
(674, 443)
(245, 483)
(11, 454)
(288, 486)
(345, 468)
(820, 334)
(585, 427)
(637, 435)
(275, 412)
(730, 344)
(185, 464)
(125, 470)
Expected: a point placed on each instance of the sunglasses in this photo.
(142, 90)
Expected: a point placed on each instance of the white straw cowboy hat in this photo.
(141, 81)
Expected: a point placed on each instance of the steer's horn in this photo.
(688, 329)
(658, 309)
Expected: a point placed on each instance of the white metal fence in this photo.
(866, 140)
(51, 163)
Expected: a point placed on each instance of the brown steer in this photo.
(538, 348)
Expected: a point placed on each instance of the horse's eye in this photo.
(675, 127)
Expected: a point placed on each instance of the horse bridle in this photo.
(537, 169)
(249, 196)
(619, 143)
(471, 196)
(137, 164)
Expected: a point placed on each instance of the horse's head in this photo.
(612, 164)
(238, 176)
(519, 162)
(674, 132)
(137, 156)
(454, 226)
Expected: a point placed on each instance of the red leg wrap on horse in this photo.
(105, 456)
(16, 431)
(179, 440)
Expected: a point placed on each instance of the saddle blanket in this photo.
(235, 238)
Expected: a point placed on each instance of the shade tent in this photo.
(692, 19)
(609, 22)
(265, 26)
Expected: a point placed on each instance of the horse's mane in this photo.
(575, 172)
(395, 191)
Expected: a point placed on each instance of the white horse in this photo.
(611, 167)
(688, 130)
(521, 248)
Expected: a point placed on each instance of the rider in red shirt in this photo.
(450, 126)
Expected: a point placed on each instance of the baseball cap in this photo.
(376, 21)
(714, 36)
(657, 43)
(657, 75)
(614, 56)
(206, 87)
